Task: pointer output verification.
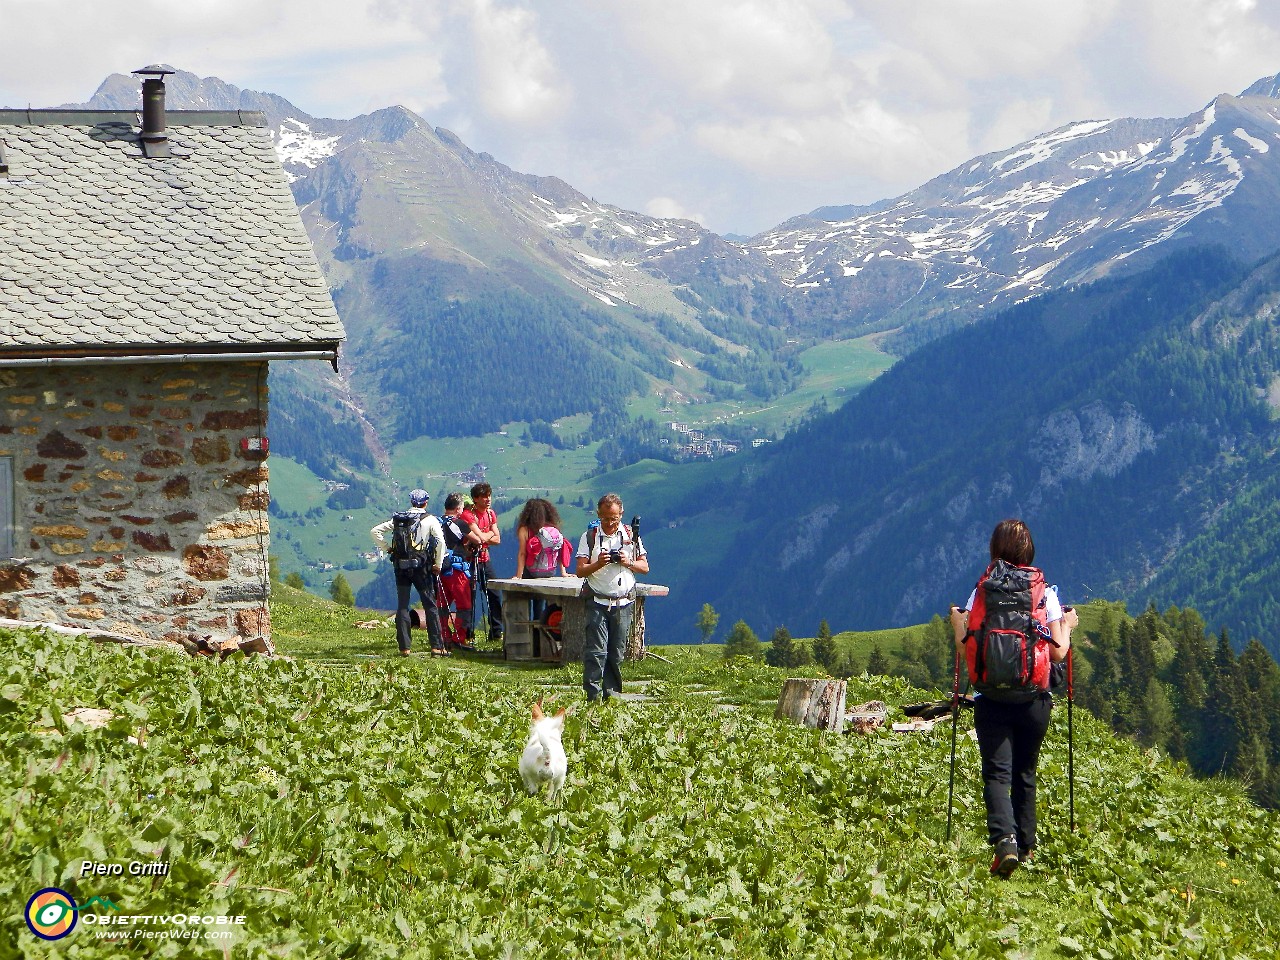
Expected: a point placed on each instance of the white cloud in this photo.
(865, 136)
(669, 209)
(749, 111)
(350, 55)
(516, 78)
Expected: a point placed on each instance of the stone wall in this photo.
(134, 509)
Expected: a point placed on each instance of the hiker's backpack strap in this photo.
(973, 652)
(592, 539)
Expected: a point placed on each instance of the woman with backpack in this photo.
(542, 550)
(1010, 631)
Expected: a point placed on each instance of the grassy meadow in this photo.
(352, 803)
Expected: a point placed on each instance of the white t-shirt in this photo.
(612, 582)
(1052, 605)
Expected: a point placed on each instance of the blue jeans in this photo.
(603, 647)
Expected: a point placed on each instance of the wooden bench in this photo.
(527, 639)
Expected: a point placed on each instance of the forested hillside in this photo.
(1124, 421)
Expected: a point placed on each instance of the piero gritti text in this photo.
(134, 868)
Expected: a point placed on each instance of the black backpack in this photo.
(408, 552)
(1007, 646)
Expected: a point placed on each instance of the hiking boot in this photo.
(1006, 859)
(1027, 857)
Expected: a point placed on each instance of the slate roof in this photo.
(106, 252)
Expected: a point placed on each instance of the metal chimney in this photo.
(155, 143)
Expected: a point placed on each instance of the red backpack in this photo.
(1007, 646)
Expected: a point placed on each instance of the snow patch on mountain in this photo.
(1260, 146)
(1042, 147)
(296, 145)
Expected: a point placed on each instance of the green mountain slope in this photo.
(1124, 421)
(375, 811)
(463, 314)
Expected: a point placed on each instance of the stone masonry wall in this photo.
(134, 508)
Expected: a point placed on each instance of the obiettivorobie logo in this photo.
(52, 913)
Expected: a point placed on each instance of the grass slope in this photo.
(369, 806)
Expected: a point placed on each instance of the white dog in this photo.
(543, 760)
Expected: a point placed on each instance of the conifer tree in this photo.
(781, 650)
(1142, 649)
(1117, 690)
(340, 591)
(824, 647)
(937, 652)
(1218, 748)
(1157, 716)
(1097, 696)
(877, 662)
(742, 642)
(1186, 677)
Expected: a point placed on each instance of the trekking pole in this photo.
(955, 720)
(480, 599)
(1071, 752)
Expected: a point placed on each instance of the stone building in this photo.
(151, 266)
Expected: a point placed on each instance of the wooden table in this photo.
(526, 639)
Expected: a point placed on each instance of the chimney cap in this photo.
(156, 69)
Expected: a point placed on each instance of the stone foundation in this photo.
(134, 510)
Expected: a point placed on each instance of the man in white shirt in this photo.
(421, 572)
(609, 557)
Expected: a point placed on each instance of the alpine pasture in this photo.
(349, 803)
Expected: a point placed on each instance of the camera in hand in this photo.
(615, 556)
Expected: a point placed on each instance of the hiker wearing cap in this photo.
(1012, 678)
(416, 551)
(483, 522)
(609, 557)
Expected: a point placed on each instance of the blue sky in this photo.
(737, 113)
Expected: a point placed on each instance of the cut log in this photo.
(814, 703)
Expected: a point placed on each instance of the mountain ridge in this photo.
(434, 250)
(1066, 206)
(1131, 422)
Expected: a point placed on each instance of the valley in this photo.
(1122, 267)
(316, 540)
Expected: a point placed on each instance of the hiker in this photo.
(609, 557)
(416, 551)
(1011, 721)
(543, 551)
(455, 579)
(483, 522)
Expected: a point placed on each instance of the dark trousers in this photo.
(484, 573)
(424, 580)
(1009, 738)
(603, 647)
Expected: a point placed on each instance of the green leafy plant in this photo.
(363, 804)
